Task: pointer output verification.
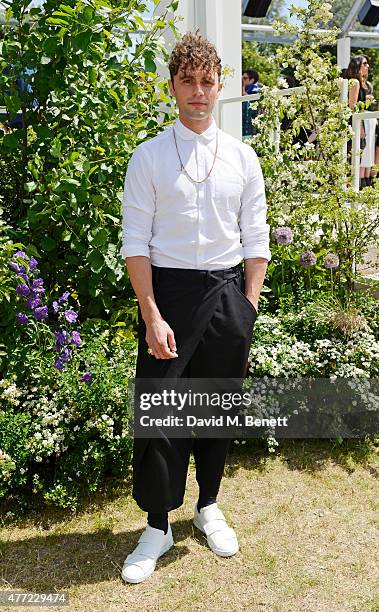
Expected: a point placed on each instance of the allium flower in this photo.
(22, 318)
(75, 338)
(41, 313)
(33, 301)
(37, 285)
(70, 316)
(33, 263)
(307, 259)
(87, 377)
(23, 289)
(331, 261)
(283, 235)
(64, 297)
(55, 306)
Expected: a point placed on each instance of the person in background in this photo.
(368, 153)
(357, 73)
(250, 85)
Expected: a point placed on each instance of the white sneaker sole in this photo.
(220, 553)
(137, 580)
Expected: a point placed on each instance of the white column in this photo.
(220, 22)
(343, 51)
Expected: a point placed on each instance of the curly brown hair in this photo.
(194, 51)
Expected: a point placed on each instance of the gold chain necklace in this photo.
(182, 168)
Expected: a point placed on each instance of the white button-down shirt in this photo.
(181, 224)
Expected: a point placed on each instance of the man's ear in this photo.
(171, 87)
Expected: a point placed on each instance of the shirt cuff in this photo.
(252, 252)
(133, 251)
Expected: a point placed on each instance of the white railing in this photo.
(356, 123)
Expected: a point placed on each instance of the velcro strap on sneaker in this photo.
(147, 546)
(215, 525)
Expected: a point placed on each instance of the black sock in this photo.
(362, 183)
(206, 501)
(159, 520)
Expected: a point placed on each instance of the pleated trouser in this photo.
(213, 323)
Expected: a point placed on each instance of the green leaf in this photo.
(70, 185)
(82, 41)
(114, 95)
(98, 236)
(149, 64)
(92, 75)
(29, 187)
(56, 21)
(96, 261)
(10, 141)
(67, 9)
(56, 148)
(48, 244)
(88, 14)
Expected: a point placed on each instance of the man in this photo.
(194, 206)
(250, 85)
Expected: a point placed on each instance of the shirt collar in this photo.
(187, 134)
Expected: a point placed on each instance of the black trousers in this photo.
(212, 322)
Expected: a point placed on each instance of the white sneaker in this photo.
(152, 544)
(221, 538)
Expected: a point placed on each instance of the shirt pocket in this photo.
(227, 191)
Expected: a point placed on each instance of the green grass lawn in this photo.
(306, 519)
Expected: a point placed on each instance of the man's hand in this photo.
(160, 339)
(254, 300)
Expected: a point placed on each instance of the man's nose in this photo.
(198, 89)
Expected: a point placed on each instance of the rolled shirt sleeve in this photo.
(138, 205)
(255, 231)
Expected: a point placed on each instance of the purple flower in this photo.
(23, 275)
(331, 261)
(37, 285)
(70, 316)
(23, 289)
(21, 318)
(87, 377)
(33, 301)
(61, 339)
(66, 354)
(75, 338)
(55, 306)
(41, 313)
(33, 263)
(58, 363)
(20, 254)
(64, 297)
(283, 235)
(16, 267)
(307, 259)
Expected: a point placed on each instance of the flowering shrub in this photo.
(39, 323)
(313, 210)
(306, 341)
(60, 436)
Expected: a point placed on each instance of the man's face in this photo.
(196, 92)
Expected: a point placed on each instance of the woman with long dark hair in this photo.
(357, 73)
